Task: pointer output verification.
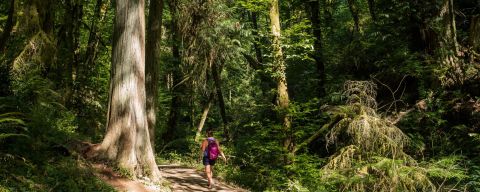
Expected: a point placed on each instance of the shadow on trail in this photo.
(188, 179)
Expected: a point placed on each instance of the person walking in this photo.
(210, 150)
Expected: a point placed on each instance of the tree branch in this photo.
(319, 132)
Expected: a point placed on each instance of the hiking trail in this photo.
(180, 178)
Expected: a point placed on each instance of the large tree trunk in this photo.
(8, 26)
(154, 38)
(317, 45)
(279, 75)
(127, 141)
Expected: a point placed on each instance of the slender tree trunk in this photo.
(70, 42)
(449, 30)
(8, 26)
(220, 99)
(352, 5)
(176, 74)
(127, 140)
(256, 43)
(474, 34)
(77, 15)
(371, 8)
(206, 109)
(279, 75)
(93, 38)
(449, 47)
(154, 38)
(328, 9)
(317, 45)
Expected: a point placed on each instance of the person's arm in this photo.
(221, 152)
(202, 149)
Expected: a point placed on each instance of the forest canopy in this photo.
(303, 95)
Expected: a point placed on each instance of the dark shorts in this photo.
(207, 161)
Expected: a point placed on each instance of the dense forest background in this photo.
(305, 95)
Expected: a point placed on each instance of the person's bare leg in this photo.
(208, 172)
(211, 175)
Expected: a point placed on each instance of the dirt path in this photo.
(189, 179)
(180, 178)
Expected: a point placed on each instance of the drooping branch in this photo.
(254, 63)
(322, 131)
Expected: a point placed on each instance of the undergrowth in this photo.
(35, 129)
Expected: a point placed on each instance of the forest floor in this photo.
(179, 178)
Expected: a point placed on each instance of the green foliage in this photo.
(40, 113)
(20, 174)
(11, 125)
(370, 156)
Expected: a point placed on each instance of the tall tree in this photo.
(176, 74)
(127, 140)
(317, 45)
(70, 43)
(279, 75)
(474, 34)
(8, 26)
(154, 38)
(449, 47)
(256, 42)
(94, 37)
(221, 102)
(206, 109)
(353, 6)
(371, 8)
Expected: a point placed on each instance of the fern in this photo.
(7, 135)
(9, 121)
(371, 155)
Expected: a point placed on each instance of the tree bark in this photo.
(317, 45)
(127, 141)
(279, 76)
(220, 99)
(206, 109)
(371, 8)
(154, 39)
(449, 47)
(474, 34)
(328, 9)
(8, 26)
(352, 5)
(256, 43)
